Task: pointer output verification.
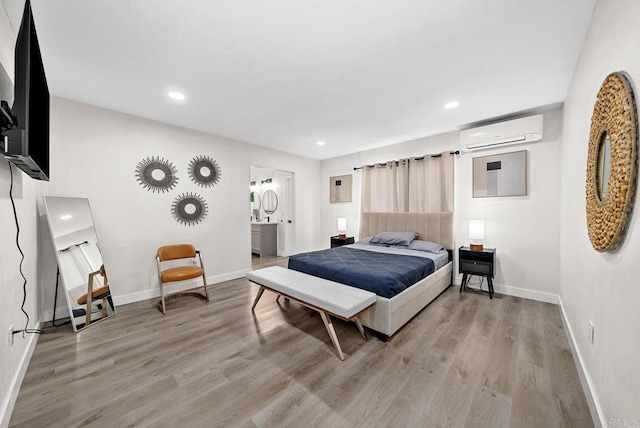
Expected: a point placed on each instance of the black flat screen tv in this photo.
(27, 142)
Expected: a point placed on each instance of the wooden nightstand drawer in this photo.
(480, 256)
(339, 242)
(475, 268)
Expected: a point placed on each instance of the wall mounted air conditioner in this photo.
(516, 131)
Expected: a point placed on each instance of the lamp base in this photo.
(342, 236)
(476, 247)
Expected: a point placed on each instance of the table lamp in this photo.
(476, 233)
(342, 227)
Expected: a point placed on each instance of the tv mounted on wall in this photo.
(25, 126)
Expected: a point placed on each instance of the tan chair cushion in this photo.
(171, 252)
(181, 273)
(98, 293)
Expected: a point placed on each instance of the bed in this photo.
(389, 314)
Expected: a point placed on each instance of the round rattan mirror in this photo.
(611, 163)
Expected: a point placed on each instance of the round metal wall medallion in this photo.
(204, 171)
(156, 174)
(612, 157)
(189, 208)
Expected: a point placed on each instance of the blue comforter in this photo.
(383, 274)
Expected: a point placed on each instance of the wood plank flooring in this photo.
(464, 361)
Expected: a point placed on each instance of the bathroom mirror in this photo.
(82, 274)
(255, 202)
(270, 202)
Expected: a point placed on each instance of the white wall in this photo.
(94, 153)
(25, 193)
(599, 287)
(524, 230)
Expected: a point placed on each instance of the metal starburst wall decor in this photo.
(189, 208)
(204, 171)
(156, 174)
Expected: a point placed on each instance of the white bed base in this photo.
(387, 316)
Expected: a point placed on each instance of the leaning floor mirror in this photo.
(82, 273)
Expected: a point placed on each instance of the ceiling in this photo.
(356, 74)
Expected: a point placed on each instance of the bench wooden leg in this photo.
(360, 329)
(286, 299)
(258, 296)
(326, 319)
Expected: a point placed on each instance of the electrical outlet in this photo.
(591, 332)
(10, 336)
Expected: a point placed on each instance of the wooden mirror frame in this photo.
(614, 113)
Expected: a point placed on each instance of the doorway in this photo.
(272, 194)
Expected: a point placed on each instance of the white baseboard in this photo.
(155, 292)
(123, 299)
(16, 382)
(587, 385)
(540, 296)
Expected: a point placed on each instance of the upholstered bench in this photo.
(327, 297)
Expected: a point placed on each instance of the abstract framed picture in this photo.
(500, 175)
(340, 188)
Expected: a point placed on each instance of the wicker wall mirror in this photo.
(611, 163)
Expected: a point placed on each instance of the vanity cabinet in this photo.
(264, 239)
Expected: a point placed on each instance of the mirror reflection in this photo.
(603, 166)
(270, 202)
(255, 205)
(82, 271)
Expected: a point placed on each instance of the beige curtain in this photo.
(385, 187)
(431, 184)
(409, 185)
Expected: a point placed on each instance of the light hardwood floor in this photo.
(463, 361)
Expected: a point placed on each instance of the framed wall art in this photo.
(340, 188)
(504, 174)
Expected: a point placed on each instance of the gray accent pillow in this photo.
(394, 238)
(428, 246)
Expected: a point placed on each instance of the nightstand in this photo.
(337, 242)
(480, 263)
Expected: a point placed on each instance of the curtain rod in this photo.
(457, 152)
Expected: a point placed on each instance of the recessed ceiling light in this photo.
(66, 217)
(452, 104)
(320, 143)
(175, 95)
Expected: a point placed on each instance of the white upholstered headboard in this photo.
(435, 227)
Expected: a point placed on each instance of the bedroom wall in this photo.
(524, 230)
(94, 153)
(602, 288)
(25, 193)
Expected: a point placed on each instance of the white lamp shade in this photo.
(342, 224)
(476, 229)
